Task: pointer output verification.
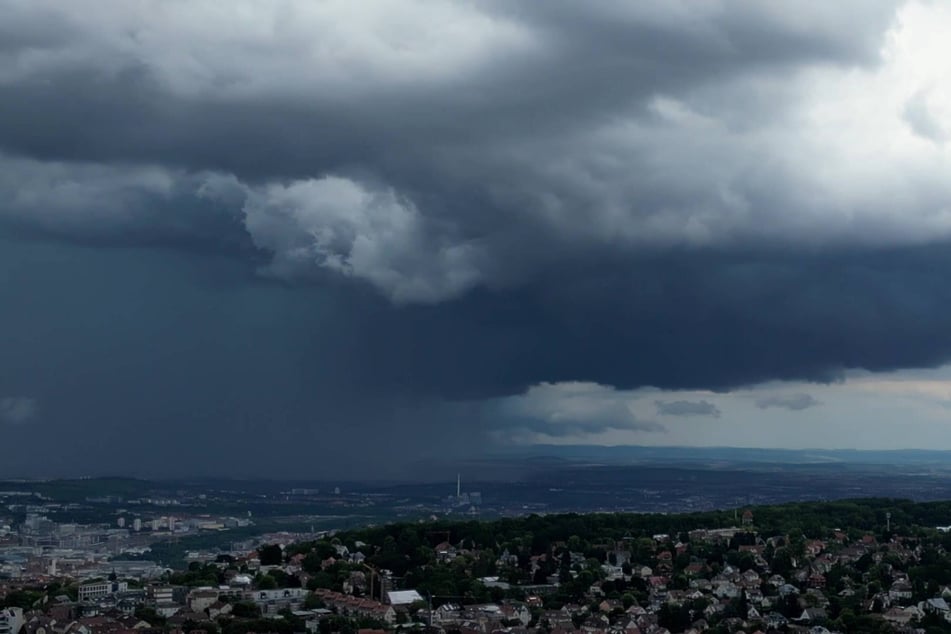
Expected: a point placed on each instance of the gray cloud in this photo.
(794, 402)
(17, 410)
(920, 118)
(687, 408)
(423, 208)
(567, 409)
(268, 220)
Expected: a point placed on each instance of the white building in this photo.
(95, 589)
(161, 594)
(201, 599)
(403, 597)
(273, 601)
(11, 620)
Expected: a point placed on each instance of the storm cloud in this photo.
(378, 224)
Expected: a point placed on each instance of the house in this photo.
(218, 608)
(898, 616)
(657, 582)
(900, 590)
(445, 551)
(787, 589)
(447, 612)
(201, 599)
(811, 615)
(726, 590)
(609, 605)
(750, 579)
(347, 605)
(517, 612)
(774, 621)
(936, 606)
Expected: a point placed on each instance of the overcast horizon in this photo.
(302, 239)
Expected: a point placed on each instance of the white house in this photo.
(11, 620)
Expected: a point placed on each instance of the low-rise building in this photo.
(11, 620)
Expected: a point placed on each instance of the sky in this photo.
(304, 238)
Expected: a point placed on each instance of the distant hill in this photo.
(630, 454)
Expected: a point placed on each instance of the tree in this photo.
(675, 617)
(150, 616)
(313, 602)
(782, 563)
(266, 582)
(245, 610)
(21, 599)
(271, 555)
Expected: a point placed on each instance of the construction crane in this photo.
(374, 574)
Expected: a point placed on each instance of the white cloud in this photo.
(338, 224)
(567, 411)
(888, 410)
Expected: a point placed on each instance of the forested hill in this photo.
(864, 515)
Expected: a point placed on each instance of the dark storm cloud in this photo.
(141, 361)
(332, 219)
(794, 402)
(689, 322)
(687, 408)
(125, 206)
(133, 95)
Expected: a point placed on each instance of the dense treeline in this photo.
(572, 547)
(537, 533)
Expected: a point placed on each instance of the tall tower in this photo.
(458, 485)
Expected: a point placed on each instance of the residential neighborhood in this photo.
(561, 573)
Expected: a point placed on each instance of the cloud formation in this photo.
(687, 408)
(793, 402)
(568, 409)
(411, 203)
